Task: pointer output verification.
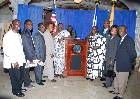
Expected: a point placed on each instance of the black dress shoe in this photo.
(117, 97)
(19, 94)
(91, 79)
(56, 75)
(61, 76)
(40, 83)
(53, 80)
(87, 78)
(113, 92)
(43, 80)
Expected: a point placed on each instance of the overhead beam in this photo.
(4, 3)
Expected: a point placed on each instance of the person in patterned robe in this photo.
(59, 52)
(96, 54)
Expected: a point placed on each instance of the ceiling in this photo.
(69, 4)
(85, 4)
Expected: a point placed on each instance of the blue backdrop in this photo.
(81, 20)
(31, 12)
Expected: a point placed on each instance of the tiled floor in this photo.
(69, 88)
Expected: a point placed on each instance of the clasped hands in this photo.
(52, 55)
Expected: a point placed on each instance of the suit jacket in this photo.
(28, 46)
(107, 34)
(40, 47)
(125, 55)
(111, 47)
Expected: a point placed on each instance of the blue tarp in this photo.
(81, 20)
(31, 12)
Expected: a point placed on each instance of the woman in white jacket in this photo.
(14, 58)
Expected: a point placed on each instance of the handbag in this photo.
(111, 73)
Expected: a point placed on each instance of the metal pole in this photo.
(54, 3)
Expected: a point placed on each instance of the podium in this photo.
(75, 57)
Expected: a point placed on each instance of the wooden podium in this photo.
(75, 57)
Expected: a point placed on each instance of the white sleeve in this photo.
(9, 48)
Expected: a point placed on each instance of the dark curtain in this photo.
(81, 20)
(31, 12)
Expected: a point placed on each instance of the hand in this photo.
(16, 65)
(110, 62)
(52, 55)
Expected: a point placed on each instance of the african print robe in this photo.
(96, 57)
(59, 53)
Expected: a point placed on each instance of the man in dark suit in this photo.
(125, 55)
(29, 50)
(40, 52)
(106, 29)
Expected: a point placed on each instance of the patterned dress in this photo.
(96, 57)
(59, 53)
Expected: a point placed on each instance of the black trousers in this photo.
(27, 79)
(38, 73)
(104, 70)
(16, 77)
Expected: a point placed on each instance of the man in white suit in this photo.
(49, 41)
(14, 58)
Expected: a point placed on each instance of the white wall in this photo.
(5, 14)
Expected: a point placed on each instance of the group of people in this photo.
(111, 55)
(44, 51)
